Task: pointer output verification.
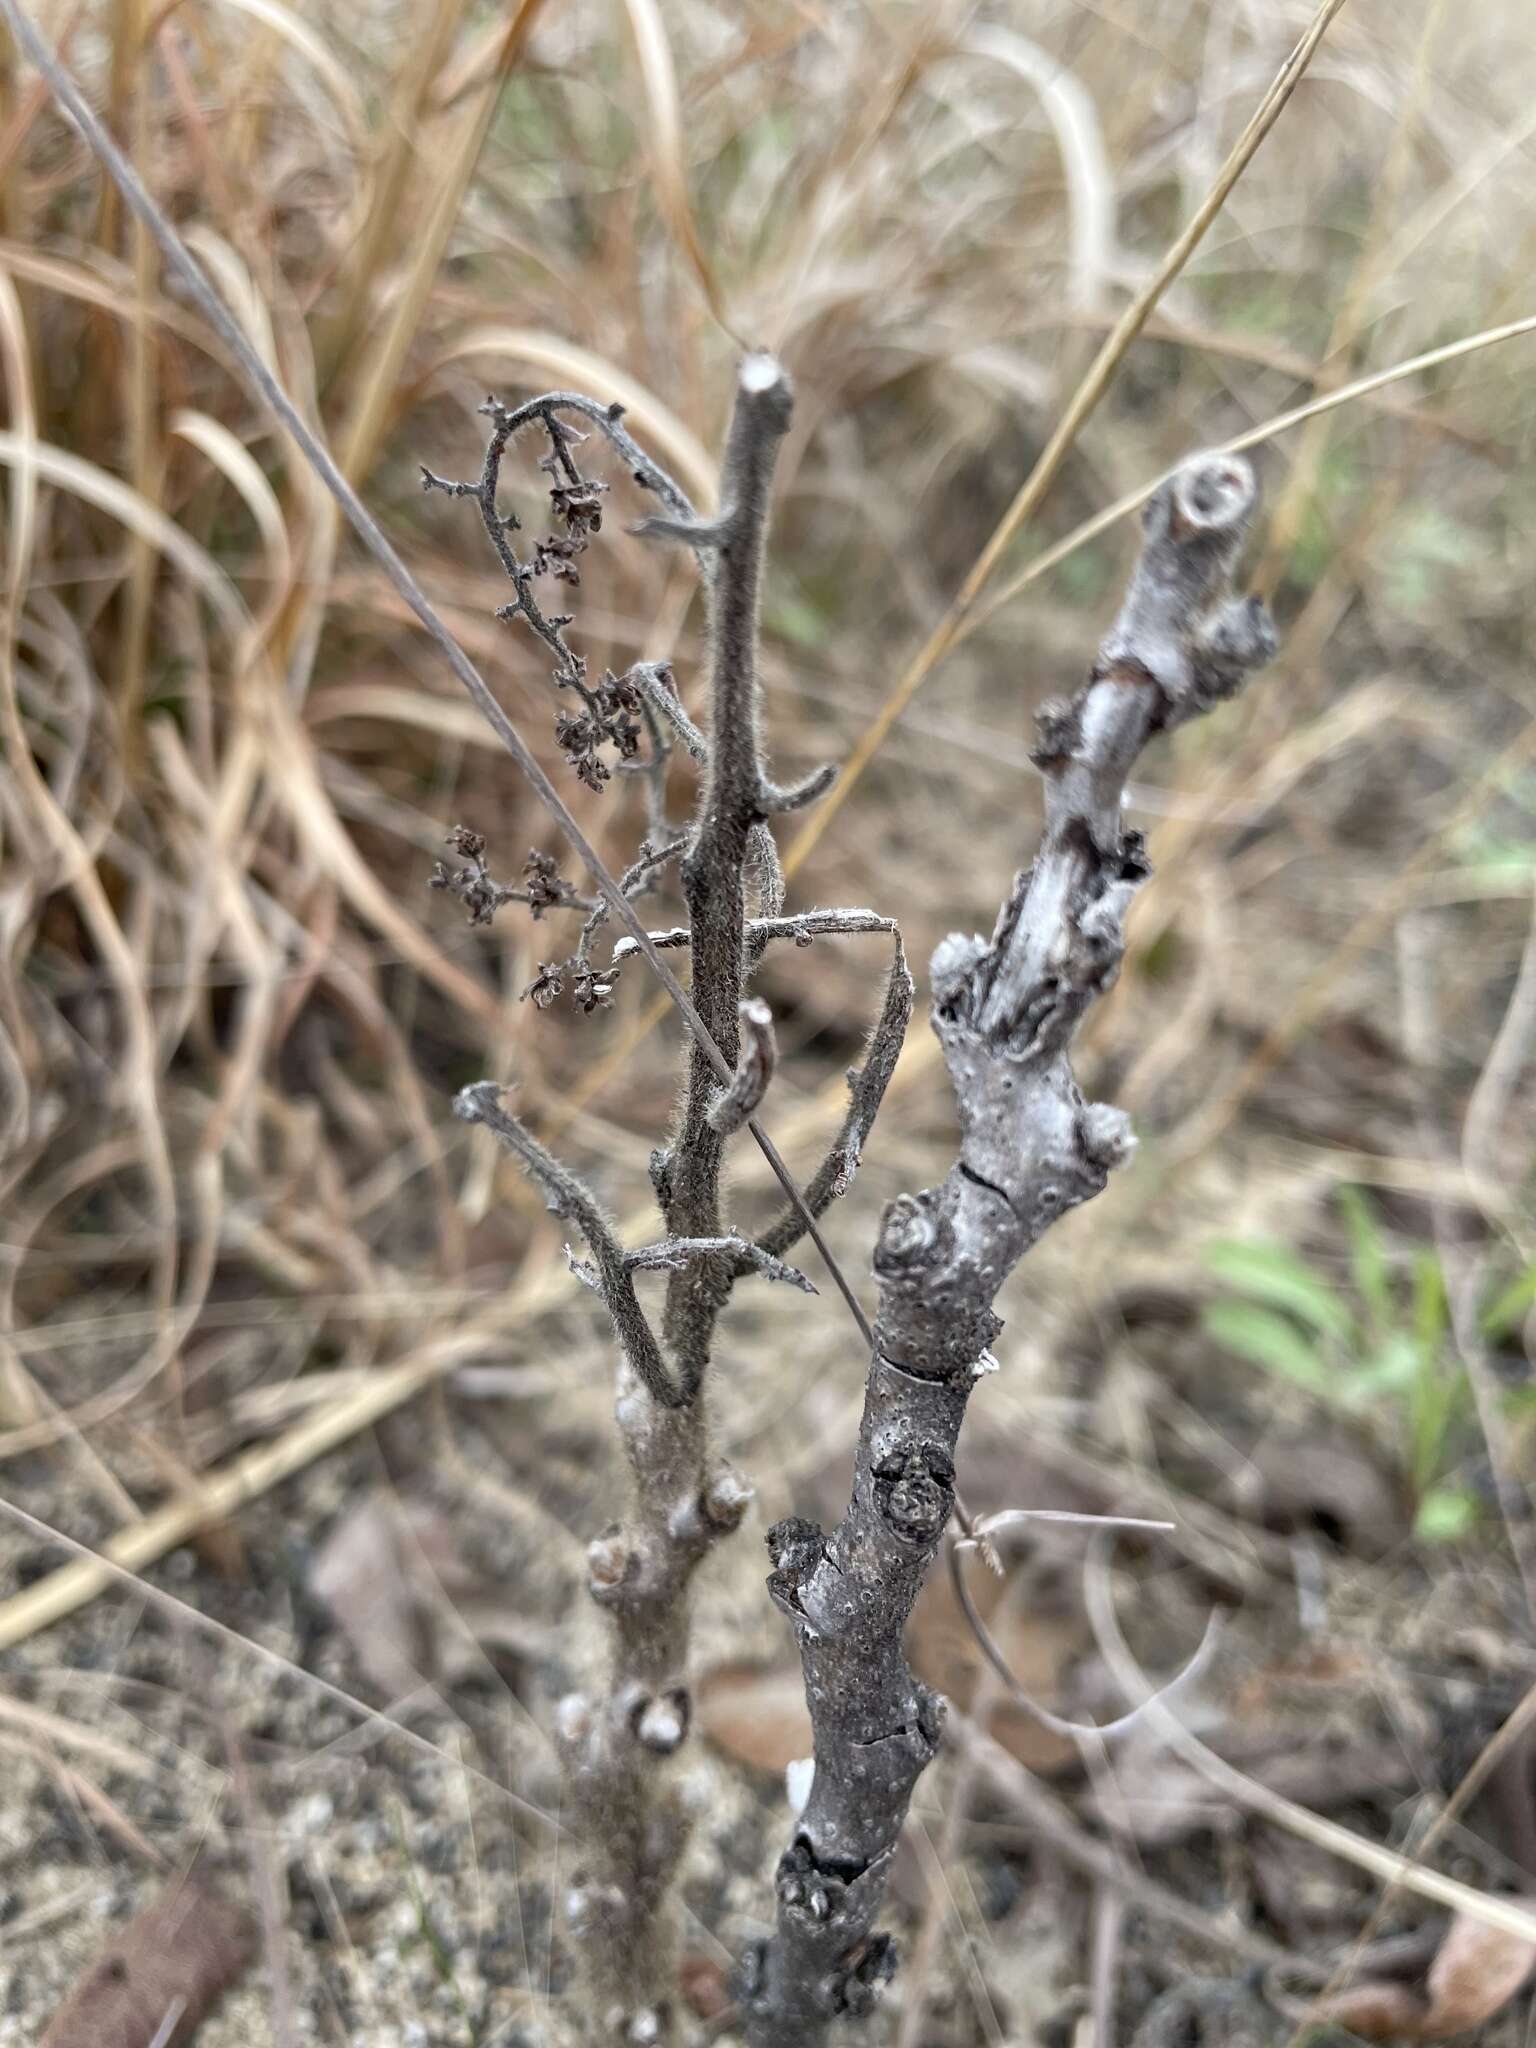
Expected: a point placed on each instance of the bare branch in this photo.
(674, 1253)
(568, 1196)
(715, 866)
(1005, 1012)
(803, 927)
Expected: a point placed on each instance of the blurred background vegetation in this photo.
(252, 1270)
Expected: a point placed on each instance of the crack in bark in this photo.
(980, 1180)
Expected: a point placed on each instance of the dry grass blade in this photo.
(1504, 1743)
(555, 358)
(380, 377)
(1085, 162)
(335, 1421)
(1253, 437)
(312, 48)
(359, 1710)
(23, 410)
(658, 76)
(921, 1056)
(229, 454)
(221, 1494)
(340, 848)
(939, 220)
(1047, 1817)
(1509, 1915)
(1079, 409)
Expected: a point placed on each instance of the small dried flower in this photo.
(480, 893)
(546, 985)
(545, 885)
(556, 557)
(579, 505)
(591, 991)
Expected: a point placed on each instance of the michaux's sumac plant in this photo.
(1005, 1010)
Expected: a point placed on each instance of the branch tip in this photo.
(755, 1067)
(1214, 493)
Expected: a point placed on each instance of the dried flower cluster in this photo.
(543, 887)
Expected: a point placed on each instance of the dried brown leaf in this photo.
(705, 1986)
(756, 1713)
(171, 1962)
(391, 1573)
(1476, 1971)
(1038, 1649)
(1475, 1974)
(1324, 1477)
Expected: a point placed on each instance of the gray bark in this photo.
(1005, 1011)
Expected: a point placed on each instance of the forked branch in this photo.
(1005, 1011)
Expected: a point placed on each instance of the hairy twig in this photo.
(568, 1196)
(673, 1254)
(655, 683)
(803, 928)
(734, 799)
(618, 1739)
(1005, 1012)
